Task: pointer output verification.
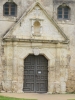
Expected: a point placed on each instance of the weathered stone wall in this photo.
(5, 23)
(9, 57)
(57, 65)
(68, 26)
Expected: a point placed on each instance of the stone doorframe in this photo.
(13, 77)
(51, 61)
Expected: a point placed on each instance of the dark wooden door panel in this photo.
(41, 73)
(42, 87)
(29, 73)
(35, 74)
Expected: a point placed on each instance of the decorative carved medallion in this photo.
(36, 51)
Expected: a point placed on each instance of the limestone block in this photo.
(9, 77)
(72, 83)
(70, 86)
(47, 2)
(69, 90)
(5, 74)
(20, 78)
(20, 62)
(62, 79)
(73, 86)
(20, 69)
(20, 87)
(9, 62)
(68, 83)
(6, 86)
(4, 61)
(63, 87)
(15, 62)
(0, 86)
(73, 77)
(1, 77)
(15, 77)
(51, 87)
(57, 75)
(52, 76)
(57, 86)
(14, 86)
(66, 75)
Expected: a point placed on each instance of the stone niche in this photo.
(36, 27)
(36, 22)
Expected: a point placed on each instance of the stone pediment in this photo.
(36, 25)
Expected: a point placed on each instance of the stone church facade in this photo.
(37, 46)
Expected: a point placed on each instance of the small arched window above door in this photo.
(63, 12)
(36, 27)
(9, 9)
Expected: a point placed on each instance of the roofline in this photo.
(47, 14)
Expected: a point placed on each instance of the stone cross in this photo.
(37, 11)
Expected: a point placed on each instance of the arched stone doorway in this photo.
(35, 74)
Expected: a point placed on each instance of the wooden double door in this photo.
(35, 74)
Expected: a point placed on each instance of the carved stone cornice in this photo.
(34, 41)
